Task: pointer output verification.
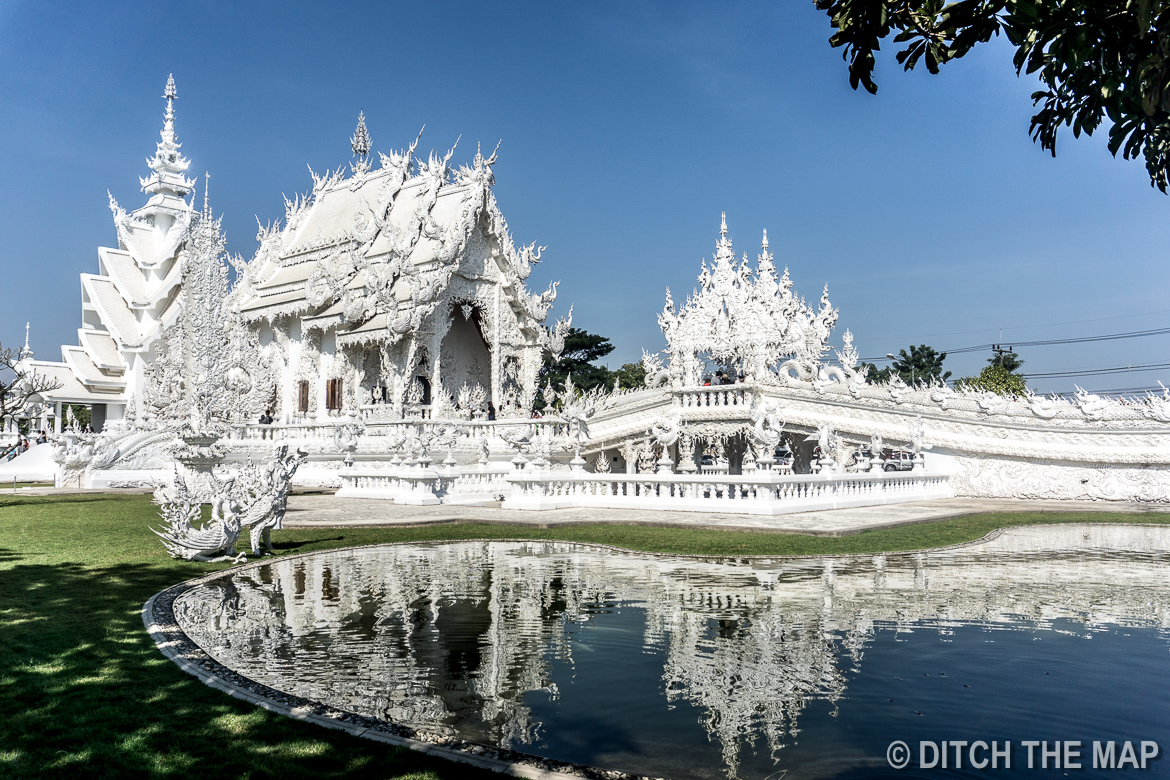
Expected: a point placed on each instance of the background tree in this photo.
(995, 379)
(1097, 59)
(18, 386)
(922, 364)
(630, 376)
(581, 350)
(875, 375)
(1010, 361)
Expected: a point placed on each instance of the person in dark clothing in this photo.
(266, 418)
(491, 411)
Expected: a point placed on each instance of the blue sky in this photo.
(627, 129)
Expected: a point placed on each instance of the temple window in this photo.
(333, 394)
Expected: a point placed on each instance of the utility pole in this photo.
(1000, 350)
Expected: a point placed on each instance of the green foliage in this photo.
(581, 349)
(995, 379)
(630, 376)
(1097, 59)
(1009, 360)
(875, 375)
(922, 364)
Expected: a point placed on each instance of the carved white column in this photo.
(629, 452)
(496, 358)
(686, 454)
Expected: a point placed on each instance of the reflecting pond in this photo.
(688, 668)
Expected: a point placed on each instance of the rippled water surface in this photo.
(697, 669)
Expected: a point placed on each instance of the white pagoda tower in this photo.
(134, 294)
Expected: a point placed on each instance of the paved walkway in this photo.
(323, 511)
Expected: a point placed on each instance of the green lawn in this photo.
(83, 691)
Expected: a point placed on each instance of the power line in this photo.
(1099, 371)
(1015, 327)
(1049, 342)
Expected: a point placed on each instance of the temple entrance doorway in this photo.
(464, 357)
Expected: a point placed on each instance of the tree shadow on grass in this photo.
(9, 502)
(85, 691)
(293, 546)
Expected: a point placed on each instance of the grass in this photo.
(84, 690)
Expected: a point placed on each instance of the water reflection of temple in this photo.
(452, 637)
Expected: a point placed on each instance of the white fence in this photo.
(420, 484)
(762, 493)
(471, 431)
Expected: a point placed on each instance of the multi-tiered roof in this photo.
(136, 289)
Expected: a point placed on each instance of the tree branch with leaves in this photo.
(1098, 60)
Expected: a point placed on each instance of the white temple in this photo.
(395, 286)
(387, 316)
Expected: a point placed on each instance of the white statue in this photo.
(253, 497)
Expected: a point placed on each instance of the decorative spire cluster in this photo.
(168, 164)
(744, 319)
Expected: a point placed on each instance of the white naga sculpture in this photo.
(200, 381)
(254, 498)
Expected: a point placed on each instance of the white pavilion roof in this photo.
(72, 390)
(125, 274)
(112, 308)
(89, 373)
(101, 349)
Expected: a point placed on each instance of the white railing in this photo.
(415, 483)
(472, 431)
(716, 396)
(761, 493)
(764, 493)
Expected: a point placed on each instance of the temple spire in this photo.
(206, 190)
(168, 165)
(723, 225)
(765, 244)
(170, 93)
(26, 352)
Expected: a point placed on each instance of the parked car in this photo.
(900, 461)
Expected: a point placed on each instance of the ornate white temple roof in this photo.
(94, 377)
(370, 252)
